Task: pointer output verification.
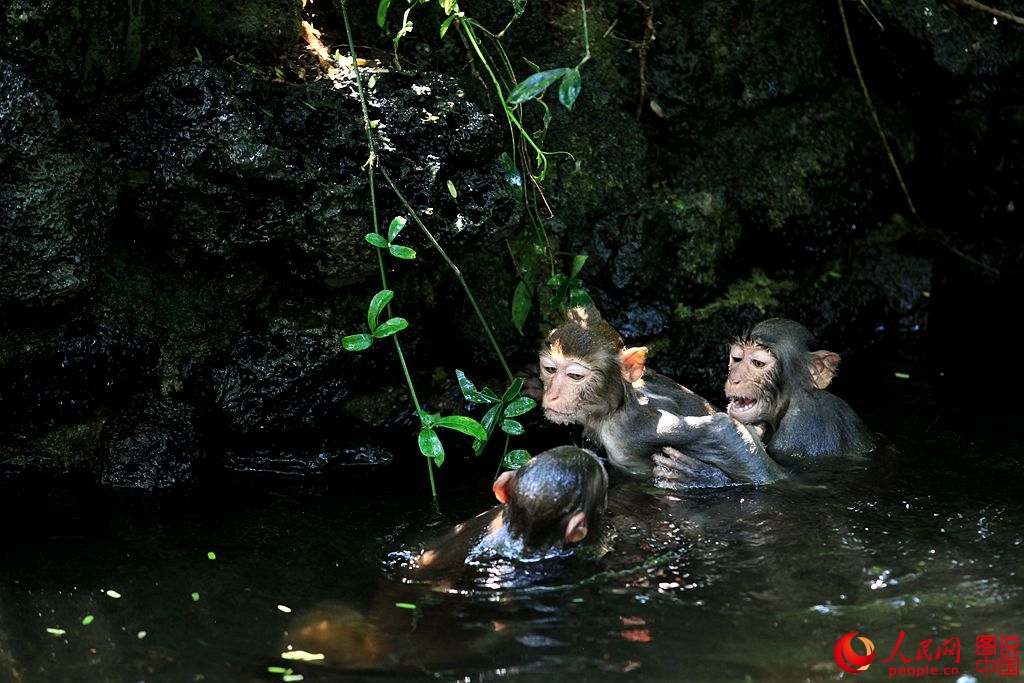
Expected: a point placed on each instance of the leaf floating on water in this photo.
(87, 619)
(902, 375)
(113, 594)
(211, 555)
(405, 605)
(195, 597)
(285, 608)
(302, 656)
(55, 631)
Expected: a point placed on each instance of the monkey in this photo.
(648, 424)
(777, 384)
(548, 506)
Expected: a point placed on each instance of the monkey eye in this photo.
(575, 376)
(736, 359)
(548, 369)
(757, 363)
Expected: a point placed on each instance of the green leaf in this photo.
(534, 86)
(357, 342)
(513, 460)
(520, 406)
(451, 190)
(376, 240)
(377, 304)
(488, 421)
(390, 327)
(512, 427)
(469, 390)
(513, 390)
(430, 445)
(401, 252)
(448, 22)
(396, 226)
(382, 12)
(461, 423)
(569, 90)
(577, 264)
(522, 302)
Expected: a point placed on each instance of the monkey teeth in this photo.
(741, 406)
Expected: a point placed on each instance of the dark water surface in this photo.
(734, 586)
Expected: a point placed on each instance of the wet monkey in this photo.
(648, 424)
(777, 384)
(550, 504)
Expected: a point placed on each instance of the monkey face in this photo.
(565, 380)
(751, 387)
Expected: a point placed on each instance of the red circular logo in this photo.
(848, 660)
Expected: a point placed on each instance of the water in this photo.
(733, 586)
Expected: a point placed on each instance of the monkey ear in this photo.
(502, 486)
(632, 362)
(576, 528)
(823, 366)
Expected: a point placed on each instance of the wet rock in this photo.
(149, 446)
(55, 199)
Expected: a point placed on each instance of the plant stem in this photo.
(455, 269)
(371, 164)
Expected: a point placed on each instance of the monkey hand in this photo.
(676, 470)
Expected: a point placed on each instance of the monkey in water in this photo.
(648, 424)
(548, 506)
(777, 384)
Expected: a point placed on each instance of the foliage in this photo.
(537, 265)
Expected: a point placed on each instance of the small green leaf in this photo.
(430, 445)
(357, 342)
(577, 264)
(569, 90)
(522, 302)
(390, 327)
(382, 12)
(401, 252)
(377, 304)
(520, 406)
(195, 596)
(513, 460)
(376, 240)
(211, 555)
(469, 390)
(902, 375)
(534, 86)
(396, 226)
(489, 420)
(87, 619)
(461, 423)
(451, 190)
(405, 605)
(448, 22)
(512, 427)
(513, 390)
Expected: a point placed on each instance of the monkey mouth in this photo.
(559, 417)
(743, 408)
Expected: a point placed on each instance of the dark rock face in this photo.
(150, 446)
(55, 199)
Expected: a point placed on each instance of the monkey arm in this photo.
(710, 450)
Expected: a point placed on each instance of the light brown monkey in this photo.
(777, 384)
(648, 424)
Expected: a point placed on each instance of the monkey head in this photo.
(768, 365)
(583, 363)
(555, 498)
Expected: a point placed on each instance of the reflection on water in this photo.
(740, 585)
